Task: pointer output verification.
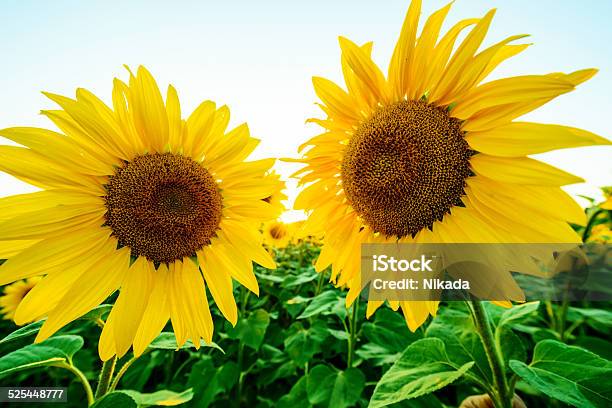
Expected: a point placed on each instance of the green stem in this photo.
(106, 374)
(121, 372)
(320, 283)
(244, 296)
(502, 399)
(82, 379)
(590, 222)
(353, 333)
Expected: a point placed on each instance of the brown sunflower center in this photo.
(163, 206)
(405, 167)
(277, 231)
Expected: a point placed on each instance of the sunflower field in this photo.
(297, 345)
(149, 260)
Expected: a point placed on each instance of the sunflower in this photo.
(138, 199)
(278, 195)
(277, 234)
(431, 153)
(14, 294)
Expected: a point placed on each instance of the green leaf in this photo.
(512, 346)
(117, 399)
(53, 351)
(34, 327)
(389, 331)
(599, 319)
(517, 313)
(599, 346)
(302, 344)
(165, 398)
(456, 329)
(291, 281)
(97, 312)
(297, 397)
(325, 303)
(334, 388)
(24, 331)
(567, 373)
(251, 330)
(424, 367)
(167, 341)
(208, 381)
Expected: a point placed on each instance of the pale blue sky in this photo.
(258, 57)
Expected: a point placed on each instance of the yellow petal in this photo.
(423, 53)
(73, 130)
(368, 73)
(12, 248)
(241, 267)
(441, 53)
(123, 116)
(59, 279)
(175, 123)
(131, 303)
(510, 90)
(521, 170)
(37, 170)
(471, 72)
(95, 285)
(403, 54)
(539, 199)
(415, 313)
(217, 276)
(45, 255)
(525, 138)
(57, 148)
(247, 241)
(502, 54)
(148, 109)
(336, 99)
(39, 224)
(461, 58)
(157, 312)
(199, 124)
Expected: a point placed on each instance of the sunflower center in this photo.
(277, 231)
(405, 167)
(163, 206)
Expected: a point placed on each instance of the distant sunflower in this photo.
(429, 153)
(277, 234)
(14, 294)
(134, 198)
(278, 195)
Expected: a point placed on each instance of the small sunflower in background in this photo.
(13, 294)
(277, 234)
(600, 234)
(431, 152)
(135, 198)
(607, 205)
(278, 195)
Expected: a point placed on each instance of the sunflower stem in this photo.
(502, 397)
(82, 379)
(121, 372)
(353, 333)
(106, 374)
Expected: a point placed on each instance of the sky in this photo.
(259, 58)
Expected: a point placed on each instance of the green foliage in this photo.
(424, 367)
(570, 374)
(290, 348)
(115, 400)
(167, 341)
(51, 352)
